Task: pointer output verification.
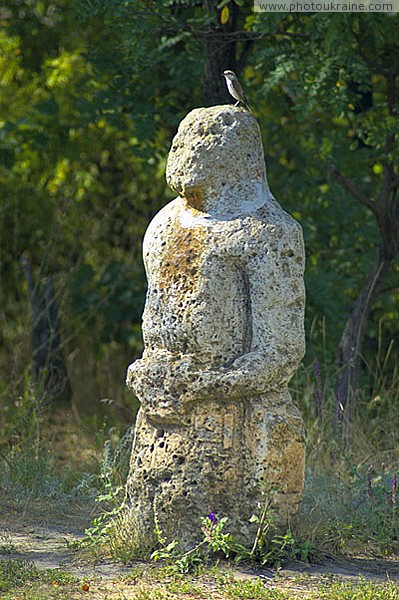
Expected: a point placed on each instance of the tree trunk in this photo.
(350, 346)
(49, 370)
(219, 54)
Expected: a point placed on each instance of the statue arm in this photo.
(267, 367)
(277, 300)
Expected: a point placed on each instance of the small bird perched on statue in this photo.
(235, 89)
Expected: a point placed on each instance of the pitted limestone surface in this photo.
(223, 334)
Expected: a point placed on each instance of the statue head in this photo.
(217, 151)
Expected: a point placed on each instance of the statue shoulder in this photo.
(273, 214)
(161, 221)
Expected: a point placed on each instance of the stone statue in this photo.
(223, 334)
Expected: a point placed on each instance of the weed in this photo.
(109, 528)
(184, 586)
(124, 545)
(348, 504)
(25, 467)
(151, 594)
(269, 548)
(103, 525)
(57, 577)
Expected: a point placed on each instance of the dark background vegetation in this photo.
(92, 92)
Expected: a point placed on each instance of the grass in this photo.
(55, 458)
(359, 591)
(247, 590)
(21, 579)
(350, 503)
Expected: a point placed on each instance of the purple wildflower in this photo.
(369, 480)
(213, 518)
(319, 392)
(394, 488)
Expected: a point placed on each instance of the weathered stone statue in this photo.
(223, 334)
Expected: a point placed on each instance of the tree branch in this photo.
(350, 187)
(395, 183)
(243, 35)
(248, 47)
(386, 72)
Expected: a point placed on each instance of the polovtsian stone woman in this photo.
(223, 334)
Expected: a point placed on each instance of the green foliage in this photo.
(180, 562)
(159, 63)
(7, 545)
(110, 301)
(338, 513)
(81, 164)
(29, 469)
(103, 525)
(82, 173)
(317, 103)
(269, 548)
(111, 499)
(77, 195)
(214, 536)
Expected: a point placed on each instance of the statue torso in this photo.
(200, 273)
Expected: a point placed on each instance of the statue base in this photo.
(225, 461)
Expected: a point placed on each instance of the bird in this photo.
(235, 89)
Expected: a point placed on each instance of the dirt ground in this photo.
(45, 539)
